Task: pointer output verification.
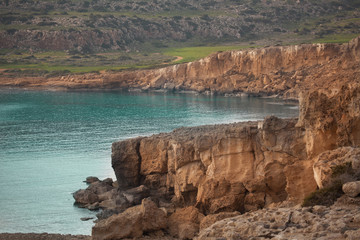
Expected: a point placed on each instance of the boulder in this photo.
(91, 179)
(131, 223)
(185, 223)
(97, 192)
(351, 189)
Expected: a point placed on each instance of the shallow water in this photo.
(51, 141)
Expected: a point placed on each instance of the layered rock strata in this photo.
(240, 167)
(283, 71)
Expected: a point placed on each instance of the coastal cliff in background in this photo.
(284, 71)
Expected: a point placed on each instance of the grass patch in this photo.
(336, 38)
(189, 54)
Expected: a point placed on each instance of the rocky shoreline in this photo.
(178, 184)
(282, 71)
(241, 180)
(41, 236)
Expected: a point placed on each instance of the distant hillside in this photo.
(99, 25)
(45, 37)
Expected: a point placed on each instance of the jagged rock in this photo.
(97, 194)
(216, 196)
(126, 162)
(84, 196)
(91, 179)
(339, 164)
(303, 67)
(135, 195)
(185, 222)
(352, 189)
(288, 223)
(131, 223)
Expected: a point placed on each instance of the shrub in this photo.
(325, 196)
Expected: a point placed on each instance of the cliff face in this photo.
(284, 71)
(242, 166)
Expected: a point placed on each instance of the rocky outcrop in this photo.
(132, 223)
(318, 222)
(247, 166)
(284, 71)
(341, 164)
(230, 167)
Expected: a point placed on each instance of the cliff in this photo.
(200, 175)
(285, 71)
(241, 167)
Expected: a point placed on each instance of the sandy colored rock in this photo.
(131, 223)
(335, 164)
(282, 70)
(212, 218)
(288, 223)
(216, 196)
(352, 189)
(300, 180)
(185, 222)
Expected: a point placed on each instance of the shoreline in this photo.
(42, 236)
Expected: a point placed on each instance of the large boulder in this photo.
(131, 223)
(95, 193)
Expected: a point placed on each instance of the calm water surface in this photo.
(51, 141)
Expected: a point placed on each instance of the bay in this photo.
(51, 141)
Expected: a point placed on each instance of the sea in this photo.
(50, 141)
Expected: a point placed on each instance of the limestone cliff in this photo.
(284, 70)
(242, 166)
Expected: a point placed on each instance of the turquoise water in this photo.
(51, 141)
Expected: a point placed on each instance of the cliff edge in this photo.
(284, 71)
(194, 177)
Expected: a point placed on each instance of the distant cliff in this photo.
(284, 71)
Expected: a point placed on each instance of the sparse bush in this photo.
(325, 196)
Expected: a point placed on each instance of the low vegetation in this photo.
(86, 36)
(326, 196)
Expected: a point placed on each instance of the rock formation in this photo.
(284, 71)
(224, 170)
(318, 222)
(200, 175)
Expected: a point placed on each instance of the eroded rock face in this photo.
(246, 166)
(283, 71)
(234, 167)
(331, 118)
(185, 222)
